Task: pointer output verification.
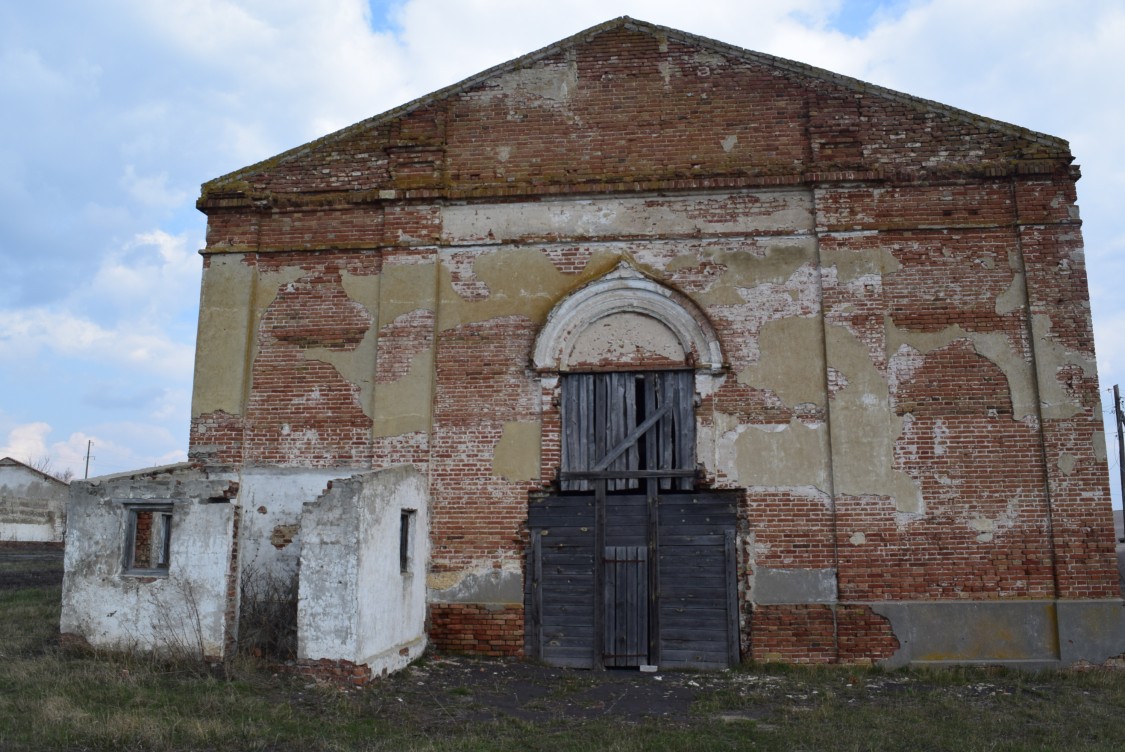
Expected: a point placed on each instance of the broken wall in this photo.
(188, 609)
(362, 594)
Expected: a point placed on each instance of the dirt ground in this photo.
(30, 566)
(470, 690)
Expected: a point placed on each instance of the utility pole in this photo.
(1120, 437)
(90, 444)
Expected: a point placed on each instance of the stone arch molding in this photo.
(626, 291)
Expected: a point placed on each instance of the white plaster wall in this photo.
(183, 612)
(32, 508)
(272, 499)
(392, 604)
(355, 603)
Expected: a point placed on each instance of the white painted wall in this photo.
(32, 505)
(272, 499)
(183, 612)
(355, 603)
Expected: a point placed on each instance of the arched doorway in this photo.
(630, 565)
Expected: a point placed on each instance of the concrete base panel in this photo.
(1023, 634)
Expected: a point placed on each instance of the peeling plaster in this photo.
(405, 287)
(404, 406)
(624, 336)
(865, 428)
(539, 86)
(484, 583)
(783, 455)
(795, 380)
(1052, 356)
(743, 213)
(852, 264)
(994, 346)
(233, 299)
(521, 281)
(356, 366)
(773, 262)
(1099, 445)
(784, 586)
(516, 456)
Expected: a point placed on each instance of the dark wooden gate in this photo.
(670, 600)
(631, 568)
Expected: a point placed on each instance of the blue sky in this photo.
(116, 111)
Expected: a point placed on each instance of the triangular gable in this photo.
(628, 102)
(9, 462)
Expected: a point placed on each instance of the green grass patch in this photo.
(51, 699)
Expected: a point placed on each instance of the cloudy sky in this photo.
(113, 112)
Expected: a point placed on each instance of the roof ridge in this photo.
(724, 48)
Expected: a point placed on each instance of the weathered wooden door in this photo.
(626, 602)
(600, 555)
(627, 595)
(670, 600)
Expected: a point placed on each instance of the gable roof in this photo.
(848, 107)
(9, 462)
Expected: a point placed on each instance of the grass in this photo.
(51, 699)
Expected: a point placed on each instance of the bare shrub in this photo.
(46, 465)
(267, 621)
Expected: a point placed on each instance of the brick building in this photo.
(641, 349)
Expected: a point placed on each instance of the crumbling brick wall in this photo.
(908, 396)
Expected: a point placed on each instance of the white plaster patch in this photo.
(941, 433)
(624, 337)
(858, 539)
(720, 213)
(1099, 445)
(312, 398)
(729, 143)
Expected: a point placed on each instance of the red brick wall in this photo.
(481, 629)
(928, 223)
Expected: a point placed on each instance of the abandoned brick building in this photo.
(641, 349)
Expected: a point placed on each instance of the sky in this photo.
(112, 114)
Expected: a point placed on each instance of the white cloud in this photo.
(152, 190)
(23, 333)
(26, 443)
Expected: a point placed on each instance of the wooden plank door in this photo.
(626, 606)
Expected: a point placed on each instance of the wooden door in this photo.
(614, 579)
(663, 591)
(626, 603)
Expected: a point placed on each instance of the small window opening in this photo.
(149, 539)
(406, 540)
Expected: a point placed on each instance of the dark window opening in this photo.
(149, 540)
(406, 540)
(626, 423)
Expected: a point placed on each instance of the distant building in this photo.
(641, 349)
(32, 504)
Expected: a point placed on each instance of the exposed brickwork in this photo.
(863, 636)
(793, 634)
(922, 266)
(482, 383)
(339, 672)
(479, 629)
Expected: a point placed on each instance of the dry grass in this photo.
(56, 700)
